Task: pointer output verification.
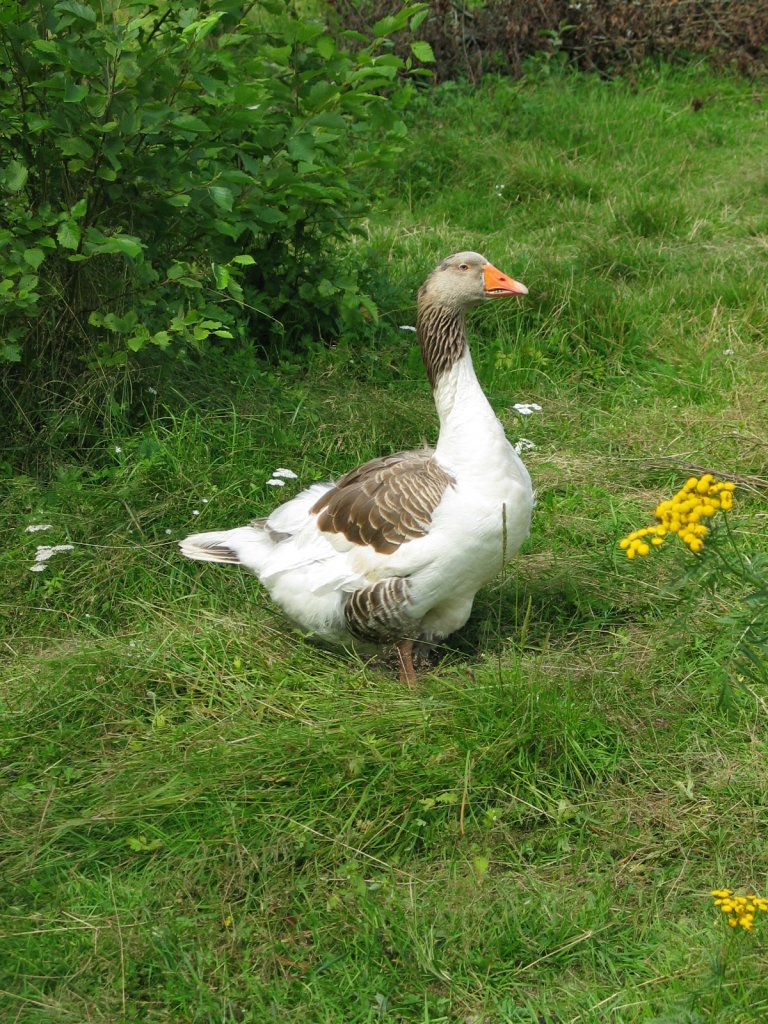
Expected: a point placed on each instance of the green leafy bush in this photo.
(177, 172)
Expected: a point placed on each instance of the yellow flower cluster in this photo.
(741, 910)
(700, 498)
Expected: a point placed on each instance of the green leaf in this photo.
(222, 197)
(446, 798)
(422, 51)
(417, 19)
(326, 47)
(189, 123)
(138, 340)
(481, 864)
(119, 324)
(268, 215)
(10, 353)
(386, 26)
(119, 244)
(202, 28)
(80, 10)
(34, 257)
(276, 54)
(71, 145)
(179, 201)
(235, 290)
(79, 209)
(231, 230)
(74, 93)
(68, 234)
(244, 260)
(27, 282)
(221, 276)
(162, 339)
(320, 94)
(127, 245)
(301, 148)
(326, 288)
(16, 175)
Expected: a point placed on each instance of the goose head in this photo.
(467, 279)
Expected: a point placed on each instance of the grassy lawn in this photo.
(206, 819)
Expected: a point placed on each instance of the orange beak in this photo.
(497, 284)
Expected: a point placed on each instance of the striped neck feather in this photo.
(442, 335)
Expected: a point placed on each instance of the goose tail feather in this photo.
(208, 547)
(247, 545)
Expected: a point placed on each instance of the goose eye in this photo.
(464, 266)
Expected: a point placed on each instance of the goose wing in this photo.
(385, 502)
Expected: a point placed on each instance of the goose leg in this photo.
(405, 657)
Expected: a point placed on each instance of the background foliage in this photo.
(470, 37)
(177, 172)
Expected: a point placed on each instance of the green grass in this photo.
(206, 819)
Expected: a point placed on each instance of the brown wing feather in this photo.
(386, 501)
(379, 614)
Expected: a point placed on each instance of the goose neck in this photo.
(442, 334)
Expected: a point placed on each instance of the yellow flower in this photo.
(703, 485)
(699, 498)
(740, 911)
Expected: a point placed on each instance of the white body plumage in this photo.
(490, 504)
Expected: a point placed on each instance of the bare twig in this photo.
(667, 461)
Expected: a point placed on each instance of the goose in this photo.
(395, 551)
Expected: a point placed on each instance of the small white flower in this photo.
(287, 473)
(407, 327)
(275, 483)
(523, 445)
(38, 528)
(118, 449)
(204, 501)
(195, 511)
(526, 408)
(44, 552)
(728, 352)
(152, 391)
(168, 532)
